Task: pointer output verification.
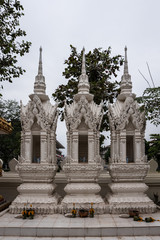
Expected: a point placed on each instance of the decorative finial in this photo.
(83, 85)
(126, 84)
(83, 62)
(125, 62)
(40, 71)
(39, 85)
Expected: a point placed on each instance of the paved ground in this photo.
(101, 227)
(85, 238)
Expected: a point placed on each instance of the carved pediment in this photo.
(35, 111)
(89, 111)
(128, 114)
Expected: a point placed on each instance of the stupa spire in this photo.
(39, 84)
(125, 62)
(126, 84)
(83, 62)
(83, 85)
(40, 70)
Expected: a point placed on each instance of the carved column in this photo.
(28, 146)
(90, 146)
(118, 146)
(95, 146)
(22, 144)
(75, 146)
(53, 147)
(137, 146)
(68, 144)
(43, 146)
(113, 149)
(97, 142)
(123, 146)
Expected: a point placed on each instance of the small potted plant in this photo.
(91, 211)
(31, 212)
(133, 213)
(74, 212)
(83, 212)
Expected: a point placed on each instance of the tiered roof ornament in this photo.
(126, 84)
(39, 84)
(83, 85)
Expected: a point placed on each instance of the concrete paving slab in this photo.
(58, 226)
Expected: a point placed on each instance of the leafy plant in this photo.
(150, 101)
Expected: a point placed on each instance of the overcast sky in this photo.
(55, 24)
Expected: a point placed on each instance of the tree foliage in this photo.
(154, 146)
(11, 45)
(151, 104)
(153, 150)
(100, 68)
(10, 144)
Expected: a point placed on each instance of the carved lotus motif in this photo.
(36, 172)
(131, 172)
(82, 171)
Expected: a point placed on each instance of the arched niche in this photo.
(82, 142)
(130, 142)
(36, 142)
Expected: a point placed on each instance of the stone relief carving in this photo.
(83, 109)
(35, 109)
(129, 111)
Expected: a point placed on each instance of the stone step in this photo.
(59, 226)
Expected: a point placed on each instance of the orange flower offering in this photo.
(91, 210)
(74, 212)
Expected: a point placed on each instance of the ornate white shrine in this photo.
(83, 163)
(128, 164)
(37, 163)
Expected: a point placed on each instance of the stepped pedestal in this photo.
(37, 189)
(82, 188)
(128, 189)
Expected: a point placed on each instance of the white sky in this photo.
(55, 24)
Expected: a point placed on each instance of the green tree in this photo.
(10, 144)
(11, 45)
(100, 68)
(150, 101)
(154, 148)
